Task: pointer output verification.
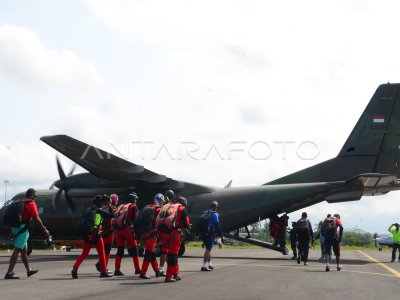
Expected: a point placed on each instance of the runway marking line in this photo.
(300, 267)
(393, 271)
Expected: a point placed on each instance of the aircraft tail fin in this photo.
(372, 147)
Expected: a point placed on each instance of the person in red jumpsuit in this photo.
(169, 197)
(108, 233)
(127, 236)
(274, 228)
(173, 240)
(150, 241)
(94, 240)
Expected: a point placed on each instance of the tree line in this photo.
(351, 236)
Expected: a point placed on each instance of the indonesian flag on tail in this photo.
(379, 119)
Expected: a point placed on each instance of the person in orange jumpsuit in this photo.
(126, 236)
(150, 240)
(169, 197)
(173, 240)
(108, 232)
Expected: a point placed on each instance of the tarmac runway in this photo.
(238, 274)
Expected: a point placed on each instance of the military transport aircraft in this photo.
(367, 165)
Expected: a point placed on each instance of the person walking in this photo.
(304, 234)
(172, 219)
(293, 240)
(283, 224)
(107, 231)
(214, 229)
(169, 197)
(333, 239)
(20, 233)
(91, 226)
(150, 238)
(126, 235)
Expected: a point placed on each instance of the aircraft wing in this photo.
(103, 164)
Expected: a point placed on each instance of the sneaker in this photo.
(306, 263)
(31, 272)
(74, 273)
(327, 269)
(98, 267)
(144, 276)
(169, 280)
(161, 273)
(177, 277)
(105, 275)
(205, 269)
(11, 276)
(211, 267)
(392, 260)
(137, 271)
(298, 260)
(339, 267)
(157, 274)
(118, 273)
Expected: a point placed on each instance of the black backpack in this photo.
(144, 222)
(203, 227)
(13, 214)
(302, 227)
(328, 228)
(86, 223)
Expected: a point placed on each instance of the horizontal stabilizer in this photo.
(369, 184)
(373, 180)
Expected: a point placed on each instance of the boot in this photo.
(105, 275)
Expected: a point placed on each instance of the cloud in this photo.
(24, 57)
(209, 72)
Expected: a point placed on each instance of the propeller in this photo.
(228, 185)
(61, 173)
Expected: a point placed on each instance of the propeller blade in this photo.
(72, 170)
(56, 199)
(60, 169)
(228, 185)
(70, 202)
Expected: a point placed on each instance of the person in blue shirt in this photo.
(208, 239)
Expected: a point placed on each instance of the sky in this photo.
(201, 91)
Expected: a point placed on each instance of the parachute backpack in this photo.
(13, 214)
(302, 226)
(86, 223)
(144, 222)
(203, 225)
(120, 221)
(166, 219)
(328, 227)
